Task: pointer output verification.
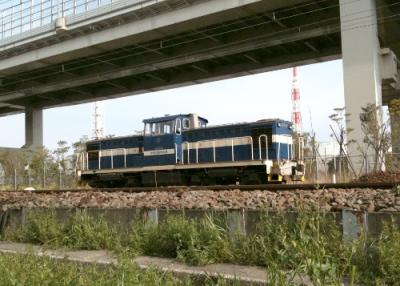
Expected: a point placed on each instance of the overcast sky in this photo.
(248, 98)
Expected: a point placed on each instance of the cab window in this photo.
(158, 128)
(147, 129)
(202, 124)
(186, 123)
(167, 129)
(93, 155)
(178, 126)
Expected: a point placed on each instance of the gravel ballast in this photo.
(370, 200)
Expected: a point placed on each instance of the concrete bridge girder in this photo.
(79, 88)
(124, 34)
(162, 64)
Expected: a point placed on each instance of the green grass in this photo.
(79, 231)
(31, 270)
(191, 241)
(310, 244)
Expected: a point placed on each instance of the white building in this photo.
(328, 149)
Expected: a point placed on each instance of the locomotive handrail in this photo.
(186, 143)
(213, 146)
(176, 153)
(233, 150)
(99, 159)
(301, 148)
(197, 152)
(112, 152)
(252, 147)
(266, 146)
(85, 156)
(291, 152)
(112, 156)
(278, 157)
(214, 152)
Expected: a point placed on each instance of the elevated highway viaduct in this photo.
(72, 54)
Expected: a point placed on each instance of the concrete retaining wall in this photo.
(351, 223)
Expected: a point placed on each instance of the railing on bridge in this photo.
(29, 14)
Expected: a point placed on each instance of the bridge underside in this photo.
(243, 40)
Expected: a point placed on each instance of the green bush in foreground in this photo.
(310, 244)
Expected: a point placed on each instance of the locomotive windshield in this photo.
(159, 128)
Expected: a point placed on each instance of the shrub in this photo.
(84, 232)
(193, 242)
(41, 227)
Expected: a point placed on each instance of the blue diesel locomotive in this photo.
(182, 150)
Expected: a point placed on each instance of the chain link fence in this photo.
(46, 178)
(339, 169)
(324, 169)
(38, 169)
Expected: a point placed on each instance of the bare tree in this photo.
(12, 163)
(376, 134)
(42, 166)
(60, 152)
(340, 132)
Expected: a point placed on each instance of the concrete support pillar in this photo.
(394, 111)
(33, 128)
(361, 65)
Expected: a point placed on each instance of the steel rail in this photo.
(263, 187)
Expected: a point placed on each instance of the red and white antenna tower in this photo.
(98, 131)
(296, 112)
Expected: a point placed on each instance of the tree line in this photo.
(41, 168)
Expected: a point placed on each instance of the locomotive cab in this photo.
(163, 137)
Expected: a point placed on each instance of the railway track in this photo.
(267, 187)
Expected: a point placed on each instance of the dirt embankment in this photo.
(328, 200)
